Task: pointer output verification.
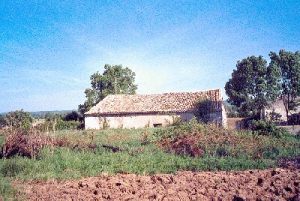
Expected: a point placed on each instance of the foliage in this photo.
(114, 80)
(73, 116)
(58, 125)
(2, 121)
(54, 122)
(288, 64)
(67, 125)
(231, 110)
(294, 119)
(105, 124)
(18, 120)
(267, 128)
(28, 144)
(191, 139)
(204, 109)
(251, 88)
(71, 156)
(7, 192)
(45, 114)
(274, 116)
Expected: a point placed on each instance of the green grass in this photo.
(67, 163)
(7, 192)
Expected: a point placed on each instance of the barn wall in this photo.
(277, 107)
(142, 121)
(134, 121)
(224, 117)
(91, 123)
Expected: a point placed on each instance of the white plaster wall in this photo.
(91, 123)
(224, 117)
(142, 121)
(134, 121)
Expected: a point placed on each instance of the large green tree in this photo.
(115, 80)
(252, 86)
(288, 65)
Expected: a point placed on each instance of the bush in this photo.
(73, 116)
(26, 144)
(59, 124)
(261, 127)
(204, 109)
(2, 121)
(11, 168)
(222, 151)
(67, 125)
(294, 119)
(18, 120)
(194, 139)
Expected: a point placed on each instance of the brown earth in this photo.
(271, 184)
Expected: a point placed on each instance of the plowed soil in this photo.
(271, 184)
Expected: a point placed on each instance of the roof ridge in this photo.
(189, 92)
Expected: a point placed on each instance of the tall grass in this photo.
(141, 152)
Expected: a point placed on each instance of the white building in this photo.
(139, 111)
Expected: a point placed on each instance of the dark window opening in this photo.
(157, 125)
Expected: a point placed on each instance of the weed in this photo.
(192, 146)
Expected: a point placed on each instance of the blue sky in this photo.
(48, 49)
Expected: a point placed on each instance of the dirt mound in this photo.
(278, 184)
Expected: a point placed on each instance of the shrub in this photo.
(58, 124)
(18, 120)
(274, 116)
(222, 151)
(73, 116)
(11, 168)
(18, 142)
(261, 127)
(294, 119)
(183, 145)
(209, 140)
(67, 125)
(204, 109)
(2, 121)
(105, 124)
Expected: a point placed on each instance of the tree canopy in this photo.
(18, 119)
(114, 80)
(251, 88)
(288, 65)
(254, 85)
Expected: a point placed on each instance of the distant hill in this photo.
(41, 114)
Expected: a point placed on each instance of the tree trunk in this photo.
(286, 105)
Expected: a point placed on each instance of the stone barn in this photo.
(140, 111)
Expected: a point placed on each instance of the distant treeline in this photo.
(44, 114)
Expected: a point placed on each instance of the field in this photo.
(83, 158)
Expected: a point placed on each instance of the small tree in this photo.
(114, 80)
(18, 120)
(288, 64)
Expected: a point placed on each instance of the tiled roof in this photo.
(155, 103)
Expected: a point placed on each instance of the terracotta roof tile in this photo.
(160, 103)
